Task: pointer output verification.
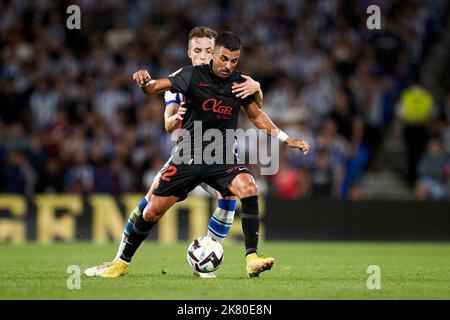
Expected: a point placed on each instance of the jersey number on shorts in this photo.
(170, 171)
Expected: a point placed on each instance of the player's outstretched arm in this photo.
(262, 121)
(247, 88)
(149, 85)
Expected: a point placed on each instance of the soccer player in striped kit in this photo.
(200, 48)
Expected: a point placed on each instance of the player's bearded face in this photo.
(225, 61)
(200, 50)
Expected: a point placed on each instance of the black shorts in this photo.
(180, 179)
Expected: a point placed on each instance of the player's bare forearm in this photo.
(171, 123)
(156, 86)
(262, 121)
(171, 120)
(173, 114)
(151, 86)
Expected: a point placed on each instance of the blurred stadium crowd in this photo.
(72, 120)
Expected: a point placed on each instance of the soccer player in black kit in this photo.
(210, 104)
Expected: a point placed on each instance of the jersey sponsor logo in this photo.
(217, 107)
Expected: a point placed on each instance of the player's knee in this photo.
(151, 215)
(250, 189)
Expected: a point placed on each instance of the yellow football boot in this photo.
(257, 264)
(117, 269)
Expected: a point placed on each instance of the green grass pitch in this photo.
(303, 270)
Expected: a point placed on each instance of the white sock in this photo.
(126, 231)
(121, 247)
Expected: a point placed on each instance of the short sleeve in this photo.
(172, 97)
(248, 100)
(181, 79)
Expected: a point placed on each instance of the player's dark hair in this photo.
(202, 32)
(228, 40)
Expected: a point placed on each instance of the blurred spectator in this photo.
(332, 151)
(43, 103)
(415, 111)
(356, 163)
(107, 179)
(37, 155)
(388, 46)
(80, 178)
(446, 130)
(19, 176)
(15, 138)
(51, 179)
(343, 113)
(290, 182)
(322, 175)
(433, 172)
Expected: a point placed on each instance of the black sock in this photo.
(250, 223)
(139, 232)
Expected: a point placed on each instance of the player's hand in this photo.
(246, 88)
(142, 77)
(181, 111)
(298, 144)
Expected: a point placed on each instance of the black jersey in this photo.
(210, 104)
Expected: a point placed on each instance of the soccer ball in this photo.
(205, 254)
